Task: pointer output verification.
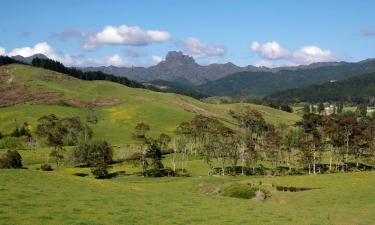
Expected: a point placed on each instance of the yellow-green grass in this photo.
(163, 111)
(36, 197)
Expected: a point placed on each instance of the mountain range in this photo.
(181, 72)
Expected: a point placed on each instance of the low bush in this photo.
(100, 171)
(11, 159)
(11, 143)
(240, 191)
(46, 167)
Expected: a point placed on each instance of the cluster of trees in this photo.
(57, 133)
(341, 139)
(89, 75)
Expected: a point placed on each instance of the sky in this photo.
(140, 33)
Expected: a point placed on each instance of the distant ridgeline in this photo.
(358, 89)
(74, 72)
(5, 60)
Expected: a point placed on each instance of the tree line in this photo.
(250, 146)
(87, 75)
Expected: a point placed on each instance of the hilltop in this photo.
(29, 93)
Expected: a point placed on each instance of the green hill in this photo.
(28, 93)
(356, 89)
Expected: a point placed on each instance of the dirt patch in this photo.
(91, 104)
(16, 94)
(13, 95)
(207, 190)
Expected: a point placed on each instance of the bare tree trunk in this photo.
(314, 165)
(222, 166)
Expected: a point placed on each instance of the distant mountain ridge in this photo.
(177, 67)
(283, 78)
(229, 79)
(29, 59)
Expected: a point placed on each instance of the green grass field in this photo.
(162, 111)
(31, 196)
(58, 197)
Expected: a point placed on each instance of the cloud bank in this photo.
(273, 55)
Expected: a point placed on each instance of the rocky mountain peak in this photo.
(178, 57)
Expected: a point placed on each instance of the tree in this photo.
(51, 129)
(306, 108)
(320, 107)
(57, 133)
(361, 110)
(340, 107)
(312, 125)
(272, 150)
(252, 127)
(100, 156)
(140, 136)
(92, 153)
(286, 108)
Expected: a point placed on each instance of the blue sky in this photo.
(125, 33)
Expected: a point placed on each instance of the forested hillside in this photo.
(359, 89)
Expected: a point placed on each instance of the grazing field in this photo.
(117, 107)
(58, 197)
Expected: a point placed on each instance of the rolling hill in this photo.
(27, 93)
(265, 83)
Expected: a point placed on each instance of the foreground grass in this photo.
(36, 197)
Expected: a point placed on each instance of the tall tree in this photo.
(140, 136)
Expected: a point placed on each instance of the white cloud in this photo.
(39, 48)
(275, 56)
(79, 60)
(310, 54)
(2, 51)
(196, 48)
(156, 58)
(125, 35)
(270, 50)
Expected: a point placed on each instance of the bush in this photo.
(93, 152)
(240, 191)
(11, 159)
(11, 143)
(100, 171)
(46, 167)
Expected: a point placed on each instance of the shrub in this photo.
(100, 171)
(93, 152)
(11, 143)
(46, 167)
(11, 159)
(240, 191)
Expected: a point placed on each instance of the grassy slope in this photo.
(161, 110)
(32, 197)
